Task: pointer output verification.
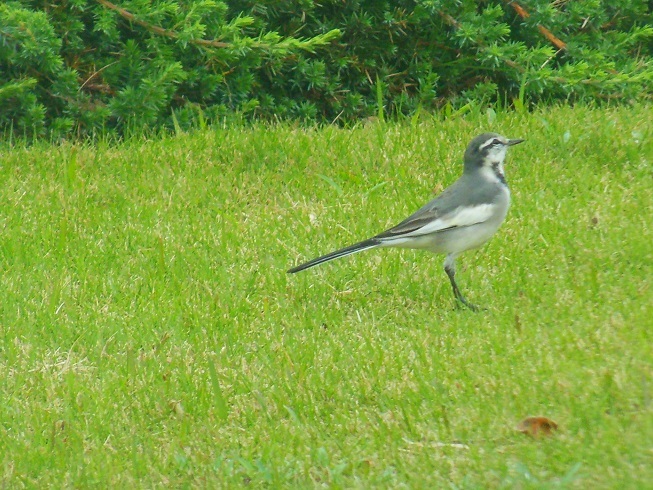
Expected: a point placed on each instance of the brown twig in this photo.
(95, 74)
(449, 20)
(521, 11)
(156, 29)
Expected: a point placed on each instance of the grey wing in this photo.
(428, 213)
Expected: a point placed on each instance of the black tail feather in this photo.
(352, 249)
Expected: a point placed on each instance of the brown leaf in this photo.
(176, 408)
(537, 426)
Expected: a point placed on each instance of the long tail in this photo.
(352, 249)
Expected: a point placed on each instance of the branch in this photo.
(286, 43)
(545, 32)
(159, 30)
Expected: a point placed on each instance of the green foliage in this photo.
(87, 66)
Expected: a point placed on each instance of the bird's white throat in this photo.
(496, 153)
(493, 171)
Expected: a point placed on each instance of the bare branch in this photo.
(159, 30)
(521, 11)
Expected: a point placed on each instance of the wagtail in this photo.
(463, 217)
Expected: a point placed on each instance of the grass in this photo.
(150, 336)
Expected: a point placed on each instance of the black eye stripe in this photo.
(491, 143)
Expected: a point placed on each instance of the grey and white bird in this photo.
(463, 217)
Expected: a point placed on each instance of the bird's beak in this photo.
(515, 142)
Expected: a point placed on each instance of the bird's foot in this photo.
(471, 306)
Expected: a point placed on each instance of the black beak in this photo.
(515, 142)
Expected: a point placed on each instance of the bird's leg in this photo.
(450, 269)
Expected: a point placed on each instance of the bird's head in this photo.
(488, 150)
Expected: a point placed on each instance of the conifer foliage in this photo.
(79, 67)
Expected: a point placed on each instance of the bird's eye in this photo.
(496, 142)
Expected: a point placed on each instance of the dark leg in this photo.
(450, 269)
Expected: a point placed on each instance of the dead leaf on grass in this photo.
(537, 426)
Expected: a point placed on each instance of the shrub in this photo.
(80, 67)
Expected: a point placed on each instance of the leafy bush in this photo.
(79, 67)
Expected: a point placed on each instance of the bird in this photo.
(463, 217)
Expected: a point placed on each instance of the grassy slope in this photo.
(149, 334)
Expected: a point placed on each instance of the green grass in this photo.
(150, 336)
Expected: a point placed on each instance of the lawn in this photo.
(150, 336)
